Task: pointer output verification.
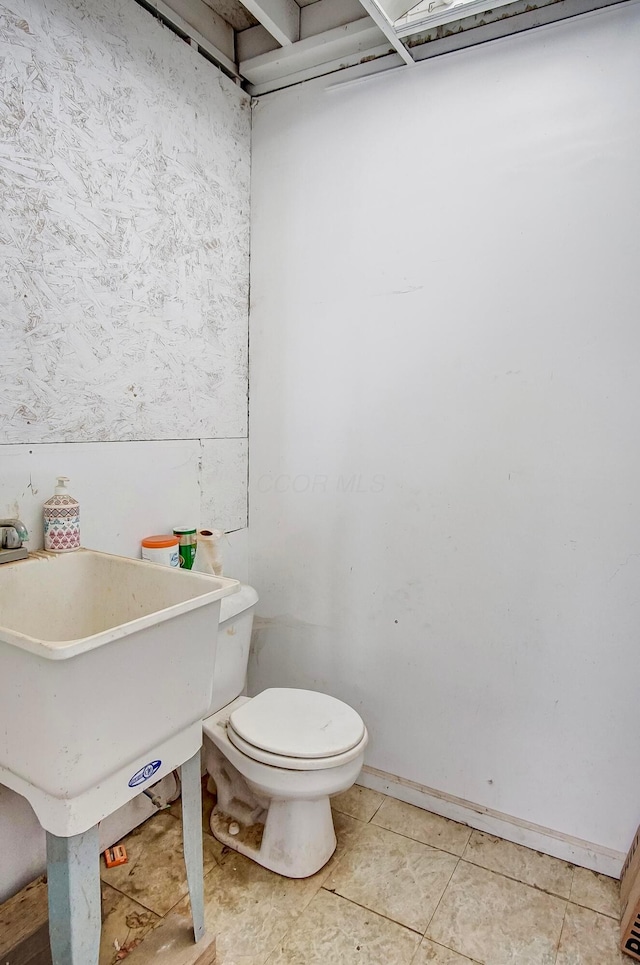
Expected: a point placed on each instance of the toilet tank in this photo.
(234, 640)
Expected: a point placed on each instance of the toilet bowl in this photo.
(275, 758)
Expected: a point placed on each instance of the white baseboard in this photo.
(558, 845)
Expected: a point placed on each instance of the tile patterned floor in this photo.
(405, 887)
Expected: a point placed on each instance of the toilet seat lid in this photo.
(298, 723)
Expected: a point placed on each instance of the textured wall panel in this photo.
(124, 181)
(127, 490)
(223, 479)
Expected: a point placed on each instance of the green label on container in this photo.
(187, 555)
(188, 543)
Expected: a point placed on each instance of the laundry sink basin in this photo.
(106, 670)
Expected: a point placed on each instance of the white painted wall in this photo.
(445, 474)
(124, 224)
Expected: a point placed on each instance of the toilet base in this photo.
(296, 839)
(283, 814)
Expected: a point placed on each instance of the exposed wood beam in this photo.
(378, 17)
(280, 17)
(375, 57)
(201, 18)
(233, 12)
(204, 28)
(325, 14)
(453, 12)
(353, 38)
(499, 23)
(316, 18)
(254, 41)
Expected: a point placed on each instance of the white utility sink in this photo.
(106, 670)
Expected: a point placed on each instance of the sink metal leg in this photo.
(192, 838)
(73, 874)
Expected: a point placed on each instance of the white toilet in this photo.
(276, 758)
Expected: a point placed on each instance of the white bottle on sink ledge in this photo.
(61, 520)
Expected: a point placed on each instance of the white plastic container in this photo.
(161, 549)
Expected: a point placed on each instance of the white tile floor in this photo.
(405, 887)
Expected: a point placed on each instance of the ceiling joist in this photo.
(271, 44)
(379, 18)
(372, 56)
(328, 46)
(280, 17)
(203, 26)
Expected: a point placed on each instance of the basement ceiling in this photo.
(266, 45)
(234, 13)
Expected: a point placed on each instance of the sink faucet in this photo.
(13, 533)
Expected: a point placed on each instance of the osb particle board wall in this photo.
(124, 230)
(124, 260)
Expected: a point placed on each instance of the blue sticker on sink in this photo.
(145, 773)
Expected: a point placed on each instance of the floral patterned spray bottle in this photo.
(61, 520)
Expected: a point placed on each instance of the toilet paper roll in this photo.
(207, 556)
